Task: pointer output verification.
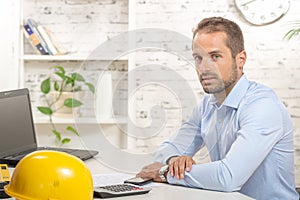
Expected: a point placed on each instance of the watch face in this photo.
(261, 12)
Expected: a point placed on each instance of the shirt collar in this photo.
(236, 94)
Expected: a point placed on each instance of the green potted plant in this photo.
(58, 92)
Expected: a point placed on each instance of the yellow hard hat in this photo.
(50, 175)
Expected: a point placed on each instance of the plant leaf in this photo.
(295, 30)
(45, 110)
(66, 140)
(45, 86)
(294, 33)
(60, 68)
(72, 103)
(56, 86)
(57, 134)
(70, 81)
(91, 87)
(73, 130)
(291, 33)
(61, 75)
(78, 77)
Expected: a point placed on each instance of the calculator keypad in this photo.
(121, 188)
(124, 189)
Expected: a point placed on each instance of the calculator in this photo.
(3, 195)
(119, 190)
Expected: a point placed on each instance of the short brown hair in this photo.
(235, 39)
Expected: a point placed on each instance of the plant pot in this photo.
(63, 111)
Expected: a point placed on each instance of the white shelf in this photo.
(80, 49)
(71, 57)
(56, 120)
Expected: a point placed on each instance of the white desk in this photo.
(166, 191)
(173, 192)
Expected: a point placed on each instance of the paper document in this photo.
(115, 178)
(110, 179)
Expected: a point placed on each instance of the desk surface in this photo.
(179, 193)
(166, 191)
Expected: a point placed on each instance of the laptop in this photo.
(17, 134)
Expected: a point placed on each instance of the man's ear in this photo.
(240, 59)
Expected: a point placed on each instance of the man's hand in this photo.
(177, 166)
(151, 171)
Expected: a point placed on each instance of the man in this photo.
(245, 127)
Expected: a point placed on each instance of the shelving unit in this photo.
(58, 17)
(68, 57)
(117, 119)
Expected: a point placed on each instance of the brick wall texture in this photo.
(162, 105)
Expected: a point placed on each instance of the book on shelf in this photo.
(60, 49)
(42, 39)
(44, 35)
(33, 25)
(33, 39)
(54, 46)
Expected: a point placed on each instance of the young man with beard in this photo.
(243, 124)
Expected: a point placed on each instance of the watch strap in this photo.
(162, 172)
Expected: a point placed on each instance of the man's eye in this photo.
(215, 57)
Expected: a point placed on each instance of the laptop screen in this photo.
(16, 125)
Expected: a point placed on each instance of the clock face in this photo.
(262, 12)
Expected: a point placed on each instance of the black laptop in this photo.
(17, 134)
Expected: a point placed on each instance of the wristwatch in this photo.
(162, 172)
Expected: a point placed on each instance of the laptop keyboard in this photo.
(19, 156)
(80, 153)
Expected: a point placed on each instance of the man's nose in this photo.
(205, 66)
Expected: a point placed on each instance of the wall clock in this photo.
(262, 12)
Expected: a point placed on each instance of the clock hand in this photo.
(248, 2)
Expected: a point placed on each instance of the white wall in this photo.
(271, 60)
(9, 16)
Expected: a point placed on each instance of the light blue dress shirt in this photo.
(250, 143)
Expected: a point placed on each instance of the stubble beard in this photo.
(221, 85)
